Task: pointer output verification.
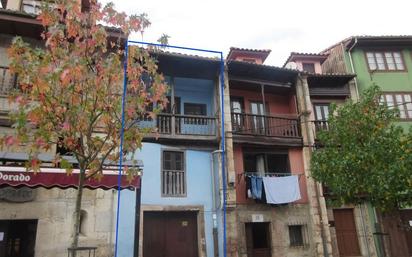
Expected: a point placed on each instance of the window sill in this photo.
(304, 246)
(387, 71)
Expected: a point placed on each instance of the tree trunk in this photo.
(77, 210)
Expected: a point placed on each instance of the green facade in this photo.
(388, 81)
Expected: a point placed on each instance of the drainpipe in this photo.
(353, 67)
(322, 229)
(215, 207)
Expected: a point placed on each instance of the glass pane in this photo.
(400, 106)
(318, 112)
(254, 108)
(369, 55)
(390, 61)
(408, 105)
(382, 99)
(389, 100)
(178, 160)
(371, 61)
(236, 107)
(398, 61)
(325, 112)
(380, 61)
(195, 109)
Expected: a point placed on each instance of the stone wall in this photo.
(279, 217)
(53, 208)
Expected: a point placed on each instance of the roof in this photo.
(261, 72)
(259, 53)
(185, 65)
(373, 40)
(250, 50)
(296, 55)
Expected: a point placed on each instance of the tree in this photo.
(71, 90)
(365, 156)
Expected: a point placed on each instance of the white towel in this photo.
(280, 190)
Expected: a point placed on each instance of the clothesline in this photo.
(283, 174)
(267, 174)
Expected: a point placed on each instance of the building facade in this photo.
(347, 227)
(36, 217)
(269, 141)
(385, 61)
(181, 202)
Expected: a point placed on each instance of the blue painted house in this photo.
(180, 202)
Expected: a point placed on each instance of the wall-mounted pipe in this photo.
(353, 67)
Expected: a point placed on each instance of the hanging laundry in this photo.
(256, 187)
(280, 190)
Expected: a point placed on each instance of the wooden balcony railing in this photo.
(173, 183)
(8, 81)
(321, 125)
(265, 125)
(190, 125)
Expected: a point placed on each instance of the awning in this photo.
(54, 177)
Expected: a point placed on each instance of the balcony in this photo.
(269, 129)
(177, 126)
(321, 125)
(8, 81)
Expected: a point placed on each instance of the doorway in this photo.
(258, 239)
(17, 238)
(346, 235)
(170, 234)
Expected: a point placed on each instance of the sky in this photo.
(281, 26)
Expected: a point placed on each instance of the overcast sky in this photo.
(282, 26)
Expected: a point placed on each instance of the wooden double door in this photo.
(397, 236)
(170, 234)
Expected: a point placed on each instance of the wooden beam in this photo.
(260, 82)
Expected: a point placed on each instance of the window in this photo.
(309, 67)
(321, 116)
(385, 61)
(195, 109)
(176, 107)
(236, 106)
(258, 118)
(321, 111)
(173, 174)
(296, 235)
(266, 163)
(251, 60)
(401, 101)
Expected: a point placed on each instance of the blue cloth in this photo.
(256, 186)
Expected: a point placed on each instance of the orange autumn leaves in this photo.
(70, 90)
